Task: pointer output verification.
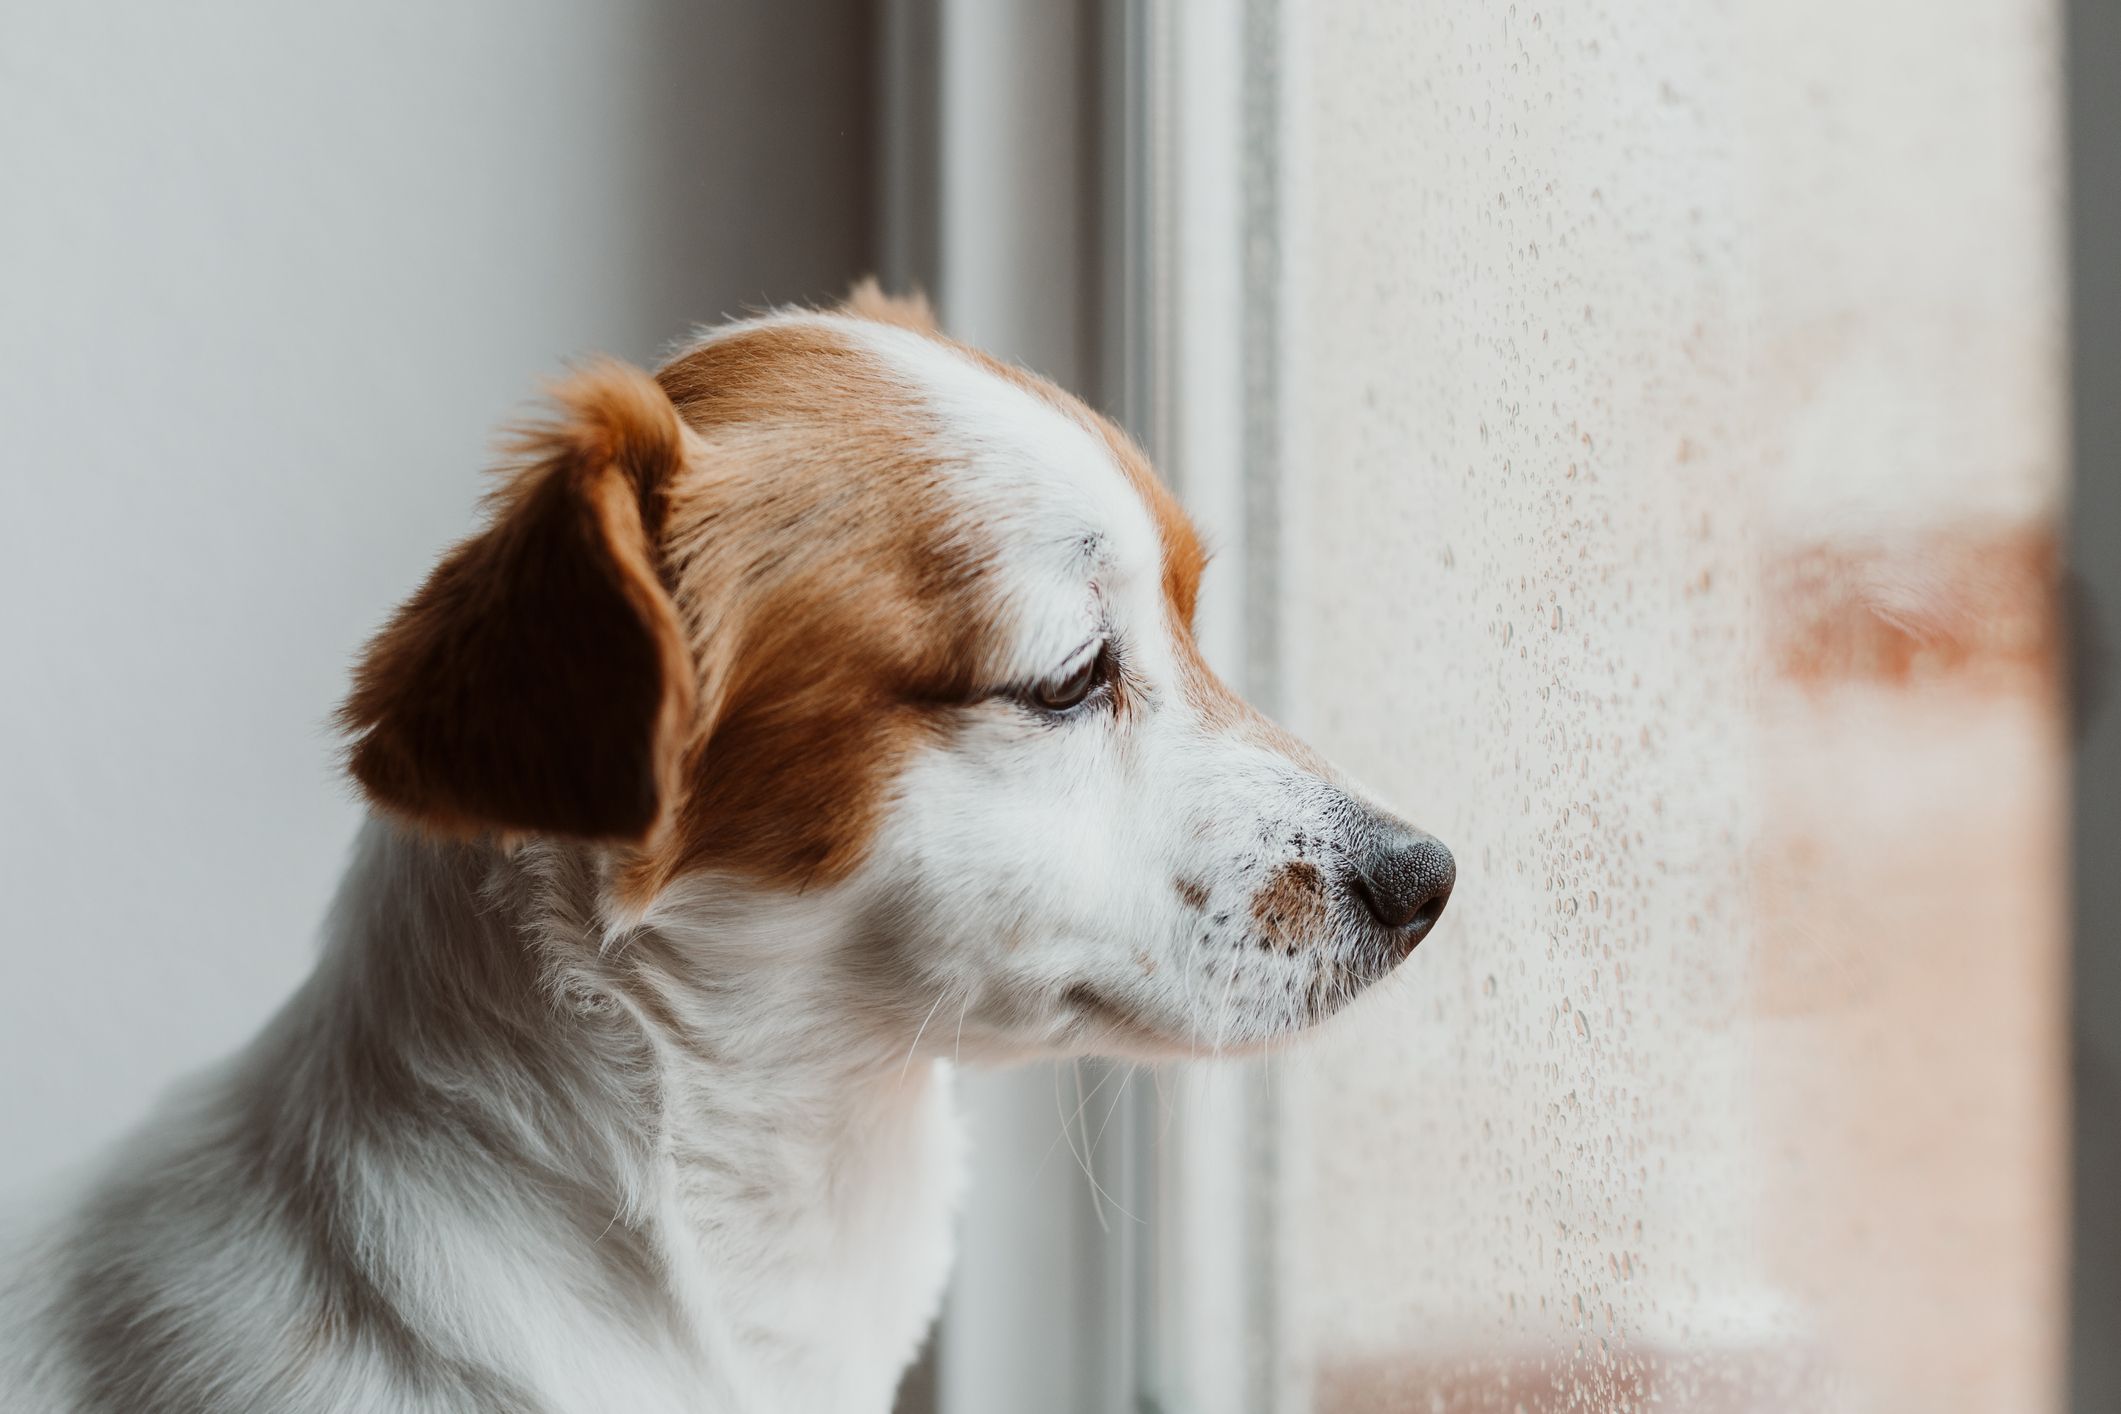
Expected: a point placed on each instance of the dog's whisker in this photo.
(1113, 1108)
(957, 1051)
(1099, 1196)
(915, 1045)
(1061, 1113)
(1068, 1133)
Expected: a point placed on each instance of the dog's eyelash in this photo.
(1083, 684)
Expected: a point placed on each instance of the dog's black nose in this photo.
(1404, 878)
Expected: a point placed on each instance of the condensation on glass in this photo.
(1672, 450)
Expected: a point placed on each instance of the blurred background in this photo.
(1707, 409)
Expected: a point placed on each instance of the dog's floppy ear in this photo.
(539, 681)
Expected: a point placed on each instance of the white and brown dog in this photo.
(818, 709)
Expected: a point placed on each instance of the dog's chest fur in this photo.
(475, 1177)
(820, 1247)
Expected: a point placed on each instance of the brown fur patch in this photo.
(1191, 892)
(538, 681)
(1185, 561)
(1185, 558)
(831, 600)
(1292, 906)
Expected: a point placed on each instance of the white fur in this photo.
(516, 1147)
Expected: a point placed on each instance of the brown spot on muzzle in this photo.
(1291, 910)
(1191, 892)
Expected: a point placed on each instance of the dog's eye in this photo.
(1072, 688)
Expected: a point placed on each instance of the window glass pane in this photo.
(1672, 446)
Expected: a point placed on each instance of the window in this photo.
(1635, 435)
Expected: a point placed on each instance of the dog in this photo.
(815, 712)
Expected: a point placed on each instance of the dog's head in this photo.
(838, 631)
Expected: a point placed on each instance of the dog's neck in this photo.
(651, 1120)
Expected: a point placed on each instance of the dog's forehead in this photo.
(1070, 543)
(923, 487)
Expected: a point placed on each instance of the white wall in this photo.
(274, 273)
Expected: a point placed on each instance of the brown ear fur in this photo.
(539, 681)
(868, 301)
